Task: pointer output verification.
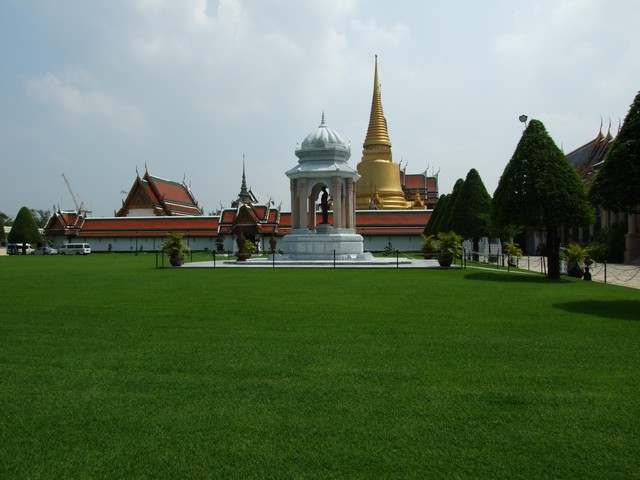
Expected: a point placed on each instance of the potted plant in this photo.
(450, 248)
(428, 246)
(574, 255)
(174, 247)
(513, 253)
(245, 247)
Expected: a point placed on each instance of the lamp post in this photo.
(523, 119)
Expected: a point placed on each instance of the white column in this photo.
(312, 212)
(295, 216)
(336, 184)
(349, 206)
(302, 203)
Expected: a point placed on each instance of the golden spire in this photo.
(377, 134)
(377, 168)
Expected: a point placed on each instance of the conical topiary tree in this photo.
(429, 227)
(24, 229)
(440, 214)
(470, 215)
(540, 189)
(445, 222)
(616, 186)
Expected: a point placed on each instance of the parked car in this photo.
(45, 251)
(75, 248)
(16, 249)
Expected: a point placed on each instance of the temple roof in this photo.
(257, 218)
(253, 218)
(163, 197)
(195, 226)
(587, 158)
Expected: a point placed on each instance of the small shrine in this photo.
(323, 201)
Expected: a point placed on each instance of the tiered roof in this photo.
(65, 223)
(588, 158)
(163, 197)
(259, 219)
(420, 183)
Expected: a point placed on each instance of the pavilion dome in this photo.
(322, 137)
(323, 154)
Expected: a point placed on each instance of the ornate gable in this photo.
(154, 196)
(141, 196)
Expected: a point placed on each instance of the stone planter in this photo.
(176, 261)
(574, 271)
(445, 259)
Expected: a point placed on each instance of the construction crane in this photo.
(79, 208)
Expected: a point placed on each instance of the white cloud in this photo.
(76, 98)
(513, 44)
(372, 33)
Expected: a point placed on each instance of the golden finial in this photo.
(377, 134)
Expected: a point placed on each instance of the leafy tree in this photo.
(24, 229)
(428, 229)
(440, 214)
(445, 223)
(470, 215)
(540, 189)
(1, 229)
(41, 217)
(615, 186)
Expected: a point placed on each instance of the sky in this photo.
(99, 90)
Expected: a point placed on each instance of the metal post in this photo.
(214, 259)
(605, 272)
(397, 263)
(334, 259)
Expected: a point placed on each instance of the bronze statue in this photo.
(324, 205)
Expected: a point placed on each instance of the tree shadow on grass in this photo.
(618, 309)
(507, 277)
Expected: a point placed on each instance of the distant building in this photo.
(587, 160)
(155, 196)
(392, 208)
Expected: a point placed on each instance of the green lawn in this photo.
(110, 368)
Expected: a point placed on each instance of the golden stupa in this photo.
(379, 186)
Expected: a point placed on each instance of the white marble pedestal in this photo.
(326, 243)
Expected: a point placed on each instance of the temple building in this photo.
(587, 159)
(389, 208)
(155, 196)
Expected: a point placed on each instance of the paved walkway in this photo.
(615, 274)
(610, 273)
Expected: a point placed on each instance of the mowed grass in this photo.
(110, 368)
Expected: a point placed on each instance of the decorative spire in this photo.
(244, 196)
(322, 124)
(377, 134)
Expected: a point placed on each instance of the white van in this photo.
(16, 249)
(75, 249)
